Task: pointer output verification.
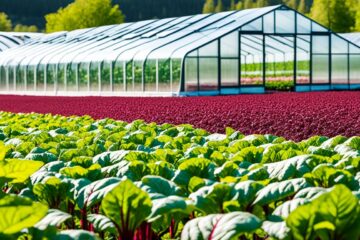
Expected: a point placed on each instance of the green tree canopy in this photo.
(25, 28)
(84, 14)
(219, 6)
(302, 7)
(209, 6)
(5, 23)
(338, 15)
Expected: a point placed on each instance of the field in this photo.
(295, 116)
(80, 178)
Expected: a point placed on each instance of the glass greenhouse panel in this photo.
(339, 69)
(320, 69)
(84, 84)
(208, 74)
(176, 75)
(269, 23)
(138, 76)
(40, 77)
(106, 75)
(30, 83)
(320, 44)
(229, 45)
(284, 21)
(191, 74)
(61, 81)
(303, 60)
(255, 25)
(71, 75)
(129, 85)
(94, 77)
(318, 28)
(151, 75)
(3, 85)
(51, 72)
(164, 67)
(303, 24)
(339, 45)
(118, 77)
(209, 50)
(12, 82)
(230, 72)
(354, 68)
(20, 78)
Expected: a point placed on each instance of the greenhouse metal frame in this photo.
(207, 54)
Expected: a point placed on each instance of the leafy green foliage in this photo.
(117, 180)
(220, 226)
(334, 215)
(84, 14)
(127, 206)
(18, 213)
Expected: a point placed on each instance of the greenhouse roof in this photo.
(133, 41)
(353, 37)
(13, 39)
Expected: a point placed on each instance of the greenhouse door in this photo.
(280, 62)
(251, 60)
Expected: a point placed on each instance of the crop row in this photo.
(80, 178)
(295, 116)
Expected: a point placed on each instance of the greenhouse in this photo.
(207, 54)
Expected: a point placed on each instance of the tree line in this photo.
(338, 15)
(56, 15)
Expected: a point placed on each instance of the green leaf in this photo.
(95, 192)
(53, 218)
(277, 230)
(333, 215)
(76, 234)
(199, 167)
(3, 151)
(245, 192)
(159, 187)
(167, 206)
(18, 213)
(287, 207)
(51, 192)
(91, 173)
(310, 193)
(127, 206)
(279, 190)
(210, 199)
(220, 226)
(101, 223)
(18, 171)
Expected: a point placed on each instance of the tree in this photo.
(302, 7)
(292, 3)
(219, 6)
(357, 21)
(239, 6)
(232, 5)
(248, 4)
(209, 6)
(84, 14)
(334, 14)
(262, 3)
(24, 28)
(5, 23)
